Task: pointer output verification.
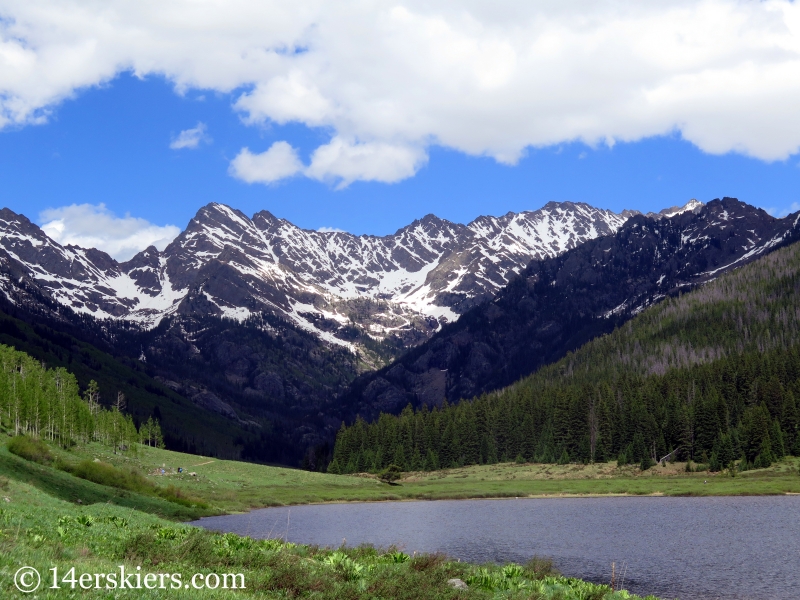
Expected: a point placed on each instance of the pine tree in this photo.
(776, 437)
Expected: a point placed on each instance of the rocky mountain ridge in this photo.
(557, 304)
(225, 264)
(234, 315)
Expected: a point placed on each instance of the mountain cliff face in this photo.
(225, 264)
(558, 303)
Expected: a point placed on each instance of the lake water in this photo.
(687, 548)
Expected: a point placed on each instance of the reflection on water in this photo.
(689, 548)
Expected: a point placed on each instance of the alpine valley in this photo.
(252, 338)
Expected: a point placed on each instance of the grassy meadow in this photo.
(51, 519)
(231, 486)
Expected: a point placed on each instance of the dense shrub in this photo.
(390, 474)
(100, 472)
(178, 496)
(30, 449)
(106, 474)
(131, 480)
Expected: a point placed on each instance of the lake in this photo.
(687, 548)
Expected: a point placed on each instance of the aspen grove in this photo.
(47, 404)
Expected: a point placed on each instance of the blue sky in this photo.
(368, 144)
(111, 145)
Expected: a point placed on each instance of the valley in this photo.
(277, 385)
(658, 360)
(399, 301)
(234, 486)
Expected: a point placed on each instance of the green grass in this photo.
(55, 519)
(231, 486)
(66, 487)
(45, 532)
(526, 480)
(96, 471)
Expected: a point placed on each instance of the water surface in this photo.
(688, 548)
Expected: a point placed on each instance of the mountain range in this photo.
(267, 325)
(225, 264)
(709, 376)
(557, 304)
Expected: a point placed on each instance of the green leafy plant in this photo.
(117, 520)
(511, 571)
(397, 557)
(85, 520)
(345, 567)
(271, 544)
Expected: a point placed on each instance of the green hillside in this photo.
(185, 425)
(710, 376)
(81, 499)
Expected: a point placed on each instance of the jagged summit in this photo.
(225, 263)
(692, 206)
(560, 302)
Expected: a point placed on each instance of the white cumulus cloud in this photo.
(389, 79)
(279, 162)
(345, 162)
(340, 162)
(95, 226)
(190, 138)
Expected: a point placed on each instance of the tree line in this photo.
(710, 376)
(736, 408)
(47, 404)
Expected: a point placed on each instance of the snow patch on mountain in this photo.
(225, 263)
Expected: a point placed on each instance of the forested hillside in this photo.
(560, 303)
(713, 375)
(46, 403)
(77, 345)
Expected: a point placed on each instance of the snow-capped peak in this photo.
(230, 265)
(692, 206)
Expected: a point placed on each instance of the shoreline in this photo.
(489, 482)
(233, 487)
(588, 496)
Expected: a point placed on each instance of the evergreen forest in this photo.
(711, 376)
